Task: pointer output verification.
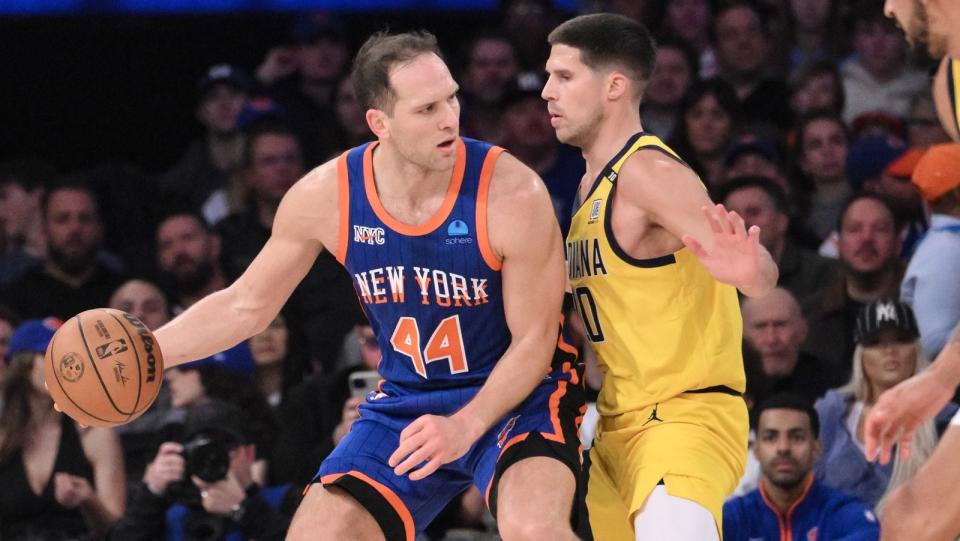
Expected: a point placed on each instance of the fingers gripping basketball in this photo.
(103, 367)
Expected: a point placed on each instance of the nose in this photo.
(547, 92)
(450, 117)
(888, 8)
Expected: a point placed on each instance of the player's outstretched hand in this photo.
(432, 441)
(900, 411)
(735, 256)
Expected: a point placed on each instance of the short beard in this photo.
(919, 32)
(193, 281)
(790, 484)
(71, 265)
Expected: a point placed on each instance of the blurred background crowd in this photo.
(143, 160)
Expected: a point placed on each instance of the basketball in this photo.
(103, 368)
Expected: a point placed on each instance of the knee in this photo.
(515, 526)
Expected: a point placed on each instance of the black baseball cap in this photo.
(216, 417)
(224, 74)
(886, 314)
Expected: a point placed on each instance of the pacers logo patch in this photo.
(595, 210)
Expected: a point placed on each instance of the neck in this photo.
(270, 378)
(831, 189)
(400, 179)
(611, 135)
(226, 149)
(870, 287)
(743, 83)
(72, 280)
(266, 212)
(217, 282)
(41, 410)
(784, 498)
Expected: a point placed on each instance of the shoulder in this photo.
(513, 184)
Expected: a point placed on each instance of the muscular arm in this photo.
(225, 318)
(108, 501)
(525, 234)
(673, 197)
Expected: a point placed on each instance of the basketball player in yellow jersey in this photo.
(928, 505)
(654, 266)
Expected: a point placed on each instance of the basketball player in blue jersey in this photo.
(457, 260)
(928, 505)
(655, 267)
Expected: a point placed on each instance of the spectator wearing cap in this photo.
(821, 157)
(72, 277)
(878, 77)
(790, 503)
(894, 185)
(755, 156)
(59, 481)
(888, 351)
(489, 72)
(525, 126)
(325, 300)
(870, 268)
(674, 71)
(302, 78)
(181, 497)
(744, 47)
(207, 163)
(761, 202)
(22, 241)
(930, 284)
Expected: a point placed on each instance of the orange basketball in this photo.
(103, 367)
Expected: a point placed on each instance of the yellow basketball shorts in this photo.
(695, 443)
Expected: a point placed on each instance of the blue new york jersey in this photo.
(432, 292)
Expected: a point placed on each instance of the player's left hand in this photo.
(431, 439)
(735, 256)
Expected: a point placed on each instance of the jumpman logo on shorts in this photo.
(653, 416)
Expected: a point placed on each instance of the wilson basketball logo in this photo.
(111, 348)
(71, 367)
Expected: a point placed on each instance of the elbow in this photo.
(246, 310)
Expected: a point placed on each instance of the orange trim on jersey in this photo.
(456, 179)
(483, 189)
(389, 495)
(786, 527)
(343, 208)
(568, 347)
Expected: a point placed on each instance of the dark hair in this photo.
(76, 184)
(375, 59)
(897, 222)
(605, 39)
(812, 117)
(763, 16)
(727, 100)
(268, 125)
(789, 401)
(671, 41)
(186, 212)
(815, 68)
(28, 173)
(224, 384)
(773, 190)
(10, 316)
(16, 411)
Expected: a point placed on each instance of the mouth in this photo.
(446, 147)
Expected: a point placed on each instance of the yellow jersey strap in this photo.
(953, 89)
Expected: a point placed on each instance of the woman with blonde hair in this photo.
(888, 351)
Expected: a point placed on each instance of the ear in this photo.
(378, 123)
(618, 86)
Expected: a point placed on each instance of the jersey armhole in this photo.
(483, 190)
(343, 208)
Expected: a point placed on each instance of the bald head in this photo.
(774, 325)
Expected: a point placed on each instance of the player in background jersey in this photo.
(928, 505)
(438, 427)
(654, 266)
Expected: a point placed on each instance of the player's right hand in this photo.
(280, 62)
(167, 467)
(900, 411)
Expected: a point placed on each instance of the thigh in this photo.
(332, 514)
(401, 507)
(670, 518)
(609, 514)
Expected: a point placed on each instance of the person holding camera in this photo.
(200, 487)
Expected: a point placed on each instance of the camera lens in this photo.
(207, 458)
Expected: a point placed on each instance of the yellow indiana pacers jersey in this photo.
(659, 327)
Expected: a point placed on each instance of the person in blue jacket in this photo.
(790, 505)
